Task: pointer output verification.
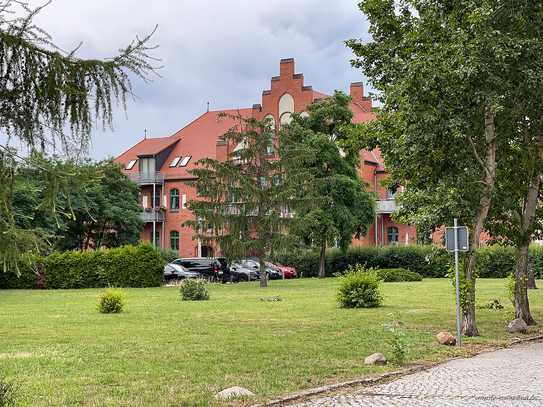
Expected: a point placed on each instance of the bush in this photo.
(400, 274)
(168, 255)
(496, 261)
(359, 288)
(111, 301)
(7, 393)
(193, 290)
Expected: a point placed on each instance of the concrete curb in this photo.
(372, 380)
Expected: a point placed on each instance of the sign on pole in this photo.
(457, 240)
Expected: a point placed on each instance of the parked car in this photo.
(212, 268)
(240, 273)
(273, 273)
(177, 272)
(289, 272)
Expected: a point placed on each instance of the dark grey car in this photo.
(241, 274)
(177, 272)
(212, 268)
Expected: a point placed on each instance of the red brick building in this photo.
(160, 165)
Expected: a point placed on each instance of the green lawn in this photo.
(165, 352)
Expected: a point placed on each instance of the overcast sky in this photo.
(216, 51)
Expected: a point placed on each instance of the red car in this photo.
(288, 272)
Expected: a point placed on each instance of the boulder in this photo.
(517, 325)
(376, 359)
(233, 392)
(445, 338)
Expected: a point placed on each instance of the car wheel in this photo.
(243, 278)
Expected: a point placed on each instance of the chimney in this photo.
(357, 92)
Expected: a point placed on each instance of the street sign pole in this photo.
(458, 323)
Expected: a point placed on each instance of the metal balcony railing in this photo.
(153, 216)
(387, 206)
(148, 178)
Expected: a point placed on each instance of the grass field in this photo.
(165, 352)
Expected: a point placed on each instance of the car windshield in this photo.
(279, 265)
(178, 267)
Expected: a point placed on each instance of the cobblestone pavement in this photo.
(507, 377)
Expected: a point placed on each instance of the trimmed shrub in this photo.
(126, 266)
(400, 274)
(8, 392)
(111, 301)
(168, 255)
(194, 290)
(536, 258)
(359, 288)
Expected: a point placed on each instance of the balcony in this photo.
(387, 206)
(153, 216)
(148, 178)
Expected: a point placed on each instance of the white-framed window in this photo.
(185, 161)
(131, 164)
(175, 161)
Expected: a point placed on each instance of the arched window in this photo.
(156, 240)
(392, 234)
(174, 199)
(271, 146)
(174, 240)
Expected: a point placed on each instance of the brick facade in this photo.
(174, 156)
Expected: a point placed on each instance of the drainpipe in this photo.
(375, 189)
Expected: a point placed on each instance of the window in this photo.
(174, 199)
(185, 161)
(392, 234)
(156, 200)
(147, 164)
(271, 146)
(277, 179)
(156, 240)
(263, 183)
(131, 164)
(175, 161)
(391, 193)
(174, 240)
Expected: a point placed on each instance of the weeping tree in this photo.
(248, 201)
(50, 99)
(349, 208)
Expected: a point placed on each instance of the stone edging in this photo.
(372, 380)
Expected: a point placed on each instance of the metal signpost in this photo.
(456, 240)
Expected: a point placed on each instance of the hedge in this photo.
(127, 266)
(428, 261)
(424, 260)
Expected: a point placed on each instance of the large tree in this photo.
(350, 207)
(247, 201)
(459, 82)
(50, 98)
(99, 207)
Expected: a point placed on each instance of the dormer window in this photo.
(175, 161)
(131, 164)
(185, 161)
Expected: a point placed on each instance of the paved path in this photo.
(507, 377)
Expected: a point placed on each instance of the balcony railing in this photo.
(148, 178)
(387, 206)
(153, 216)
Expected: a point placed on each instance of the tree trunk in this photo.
(469, 328)
(322, 261)
(522, 306)
(263, 274)
(530, 276)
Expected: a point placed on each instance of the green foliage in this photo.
(111, 301)
(510, 284)
(168, 255)
(495, 304)
(536, 259)
(349, 206)
(127, 266)
(359, 287)
(8, 393)
(428, 261)
(465, 285)
(247, 194)
(399, 274)
(397, 342)
(194, 290)
(496, 261)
